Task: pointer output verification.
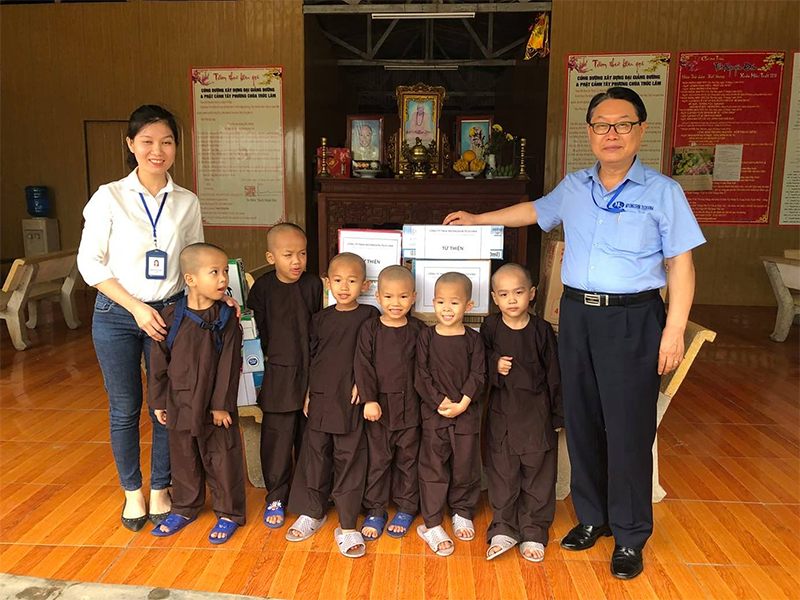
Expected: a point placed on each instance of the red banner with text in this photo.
(724, 133)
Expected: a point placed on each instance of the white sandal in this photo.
(435, 536)
(531, 546)
(504, 542)
(348, 541)
(306, 526)
(460, 523)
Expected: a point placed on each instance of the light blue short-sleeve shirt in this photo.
(619, 253)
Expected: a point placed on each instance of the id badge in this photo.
(155, 264)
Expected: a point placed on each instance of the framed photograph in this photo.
(365, 138)
(419, 107)
(472, 133)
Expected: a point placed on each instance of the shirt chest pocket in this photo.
(634, 232)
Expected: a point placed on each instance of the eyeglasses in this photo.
(622, 127)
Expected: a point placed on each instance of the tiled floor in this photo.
(729, 527)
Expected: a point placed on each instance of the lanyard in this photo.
(158, 216)
(611, 206)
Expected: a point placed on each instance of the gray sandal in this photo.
(306, 526)
(348, 541)
(504, 542)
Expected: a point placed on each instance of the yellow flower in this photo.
(472, 131)
(509, 137)
(497, 127)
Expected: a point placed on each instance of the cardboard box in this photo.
(550, 288)
(237, 286)
(252, 356)
(338, 160)
(249, 328)
(247, 390)
(367, 297)
(426, 272)
(441, 242)
(379, 248)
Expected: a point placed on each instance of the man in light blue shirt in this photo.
(622, 222)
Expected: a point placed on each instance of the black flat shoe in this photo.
(157, 518)
(626, 563)
(583, 537)
(132, 524)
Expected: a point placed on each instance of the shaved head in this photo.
(512, 269)
(195, 255)
(348, 258)
(454, 278)
(281, 229)
(395, 273)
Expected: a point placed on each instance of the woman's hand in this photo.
(231, 301)
(460, 217)
(149, 320)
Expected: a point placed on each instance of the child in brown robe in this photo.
(194, 376)
(384, 369)
(450, 375)
(334, 452)
(524, 411)
(283, 302)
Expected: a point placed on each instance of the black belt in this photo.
(600, 299)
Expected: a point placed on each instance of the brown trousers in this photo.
(522, 492)
(392, 467)
(449, 473)
(215, 458)
(281, 433)
(334, 464)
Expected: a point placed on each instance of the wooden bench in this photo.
(784, 275)
(44, 277)
(694, 337)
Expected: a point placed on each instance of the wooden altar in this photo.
(367, 203)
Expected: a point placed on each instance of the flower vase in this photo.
(491, 162)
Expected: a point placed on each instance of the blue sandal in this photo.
(377, 523)
(401, 519)
(174, 523)
(223, 526)
(274, 509)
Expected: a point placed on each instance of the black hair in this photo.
(190, 255)
(618, 93)
(144, 116)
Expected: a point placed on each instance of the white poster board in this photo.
(790, 190)
(426, 272)
(378, 248)
(590, 74)
(237, 117)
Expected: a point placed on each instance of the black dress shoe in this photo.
(626, 563)
(132, 524)
(583, 537)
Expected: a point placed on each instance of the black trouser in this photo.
(609, 365)
(281, 433)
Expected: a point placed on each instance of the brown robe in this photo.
(449, 456)
(283, 313)
(189, 382)
(524, 411)
(334, 452)
(384, 369)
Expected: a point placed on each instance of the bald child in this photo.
(193, 384)
(333, 459)
(384, 369)
(524, 411)
(283, 302)
(450, 375)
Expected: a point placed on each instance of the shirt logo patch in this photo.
(643, 207)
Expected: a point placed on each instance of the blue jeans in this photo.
(119, 344)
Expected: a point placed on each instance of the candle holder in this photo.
(522, 174)
(324, 172)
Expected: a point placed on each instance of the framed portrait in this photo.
(365, 138)
(472, 133)
(419, 107)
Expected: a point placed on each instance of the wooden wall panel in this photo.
(728, 269)
(64, 64)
